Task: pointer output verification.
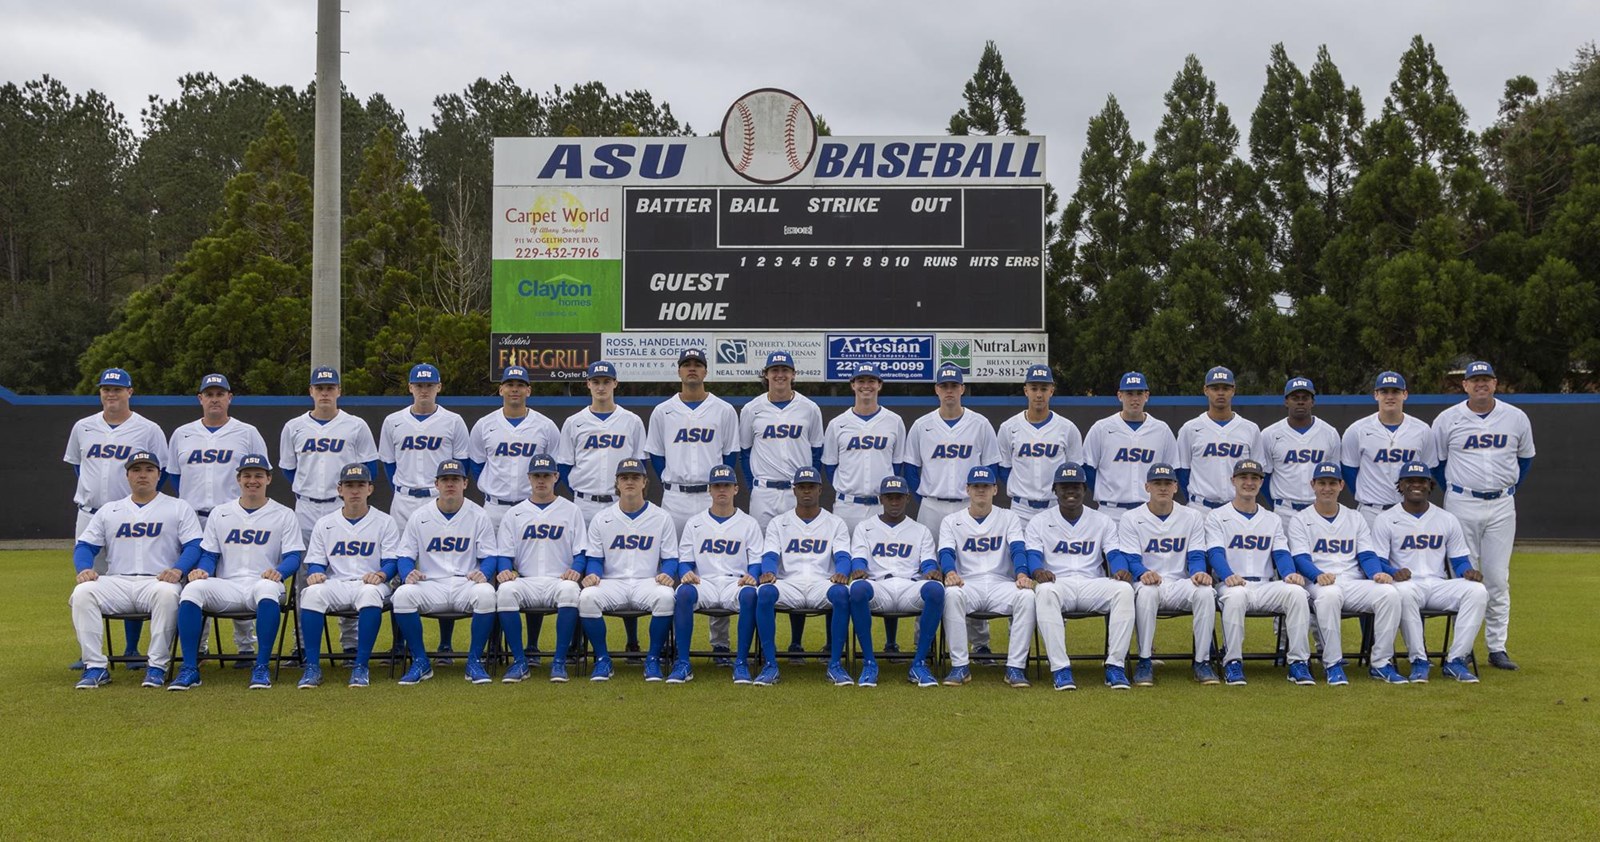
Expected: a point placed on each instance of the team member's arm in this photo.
(929, 567)
(747, 440)
(1116, 559)
(1091, 451)
(947, 553)
(635, 443)
(753, 546)
(1350, 457)
(486, 545)
(667, 558)
(1033, 537)
(1003, 452)
(506, 540)
(478, 446)
(566, 450)
(293, 551)
(769, 558)
(388, 553)
(317, 557)
(1300, 552)
(1455, 548)
(1196, 555)
(1282, 559)
(859, 549)
(1367, 555)
(1216, 552)
(89, 545)
(173, 473)
(1128, 539)
(406, 561)
(688, 559)
(1383, 548)
(842, 560)
(1018, 548)
(580, 546)
(594, 562)
(814, 431)
(988, 447)
(1182, 455)
(830, 448)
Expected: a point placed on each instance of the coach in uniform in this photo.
(1211, 442)
(1120, 448)
(1291, 447)
(1376, 445)
(1033, 443)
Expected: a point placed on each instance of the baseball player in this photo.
(985, 566)
(251, 545)
(808, 551)
(97, 449)
(1332, 548)
(894, 558)
(353, 554)
(1292, 447)
(1486, 448)
(543, 551)
(1164, 546)
(1070, 551)
(447, 555)
(632, 564)
(1210, 443)
(1376, 445)
(719, 558)
(1415, 539)
(1033, 443)
(690, 433)
(312, 450)
(943, 447)
(1119, 449)
(1254, 570)
(203, 455)
(501, 443)
(150, 540)
(594, 440)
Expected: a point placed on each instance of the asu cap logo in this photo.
(355, 472)
(141, 457)
(980, 475)
(806, 474)
(1039, 374)
(1414, 470)
(116, 377)
(866, 370)
(1298, 384)
(1071, 472)
(1161, 471)
(424, 373)
(542, 463)
(601, 368)
(1390, 380)
(630, 467)
(722, 475)
(324, 375)
(1245, 467)
(451, 468)
(253, 460)
(1479, 368)
(1219, 376)
(893, 485)
(514, 372)
(692, 355)
(1326, 470)
(214, 381)
(779, 359)
(1134, 381)
(948, 374)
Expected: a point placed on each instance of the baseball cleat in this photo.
(768, 676)
(421, 670)
(681, 673)
(741, 672)
(138, 662)
(869, 675)
(1117, 678)
(558, 671)
(444, 656)
(721, 656)
(1387, 674)
(360, 677)
(247, 660)
(1419, 672)
(1501, 661)
(517, 672)
(1334, 675)
(652, 669)
(187, 677)
(958, 676)
(94, 677)
(154, 677)
(1061, 679)
(312, 677)
(602, 670)
(1204, 674)
(1300, 673)
(1233, 673)
(1458, 670)
(796, 648)
(531, 655)
(476, 672)
(1144, 673)
(632, 647)
(78, 666)
(838, 676)
(1016, 677)
(261, 678)
(921, 676)
(891, 648)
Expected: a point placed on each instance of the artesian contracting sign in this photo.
(866, 249)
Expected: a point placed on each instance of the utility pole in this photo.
(325, 238)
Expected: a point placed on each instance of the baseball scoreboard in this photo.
(905, 252)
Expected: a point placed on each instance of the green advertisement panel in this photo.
(557, 296)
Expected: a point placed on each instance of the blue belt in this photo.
(1032, 504)
(416, 492)
(501, 502)
(947, 499)
(1484, 495)
(598, 498)
(1299, 507)
(1109, 505)
(686, 489)
(87, 509)
(203, 512)
(1210, 505)
(860, 501)
(779, 484)
(316, 499)
(1251, 578)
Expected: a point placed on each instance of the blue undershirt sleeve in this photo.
(947, 560)
(1283, 561)
(1197, 561)
(658, 464)
(842, 563)
(1135, 564)
(1303, 566)
(1370, 564)
(1117, 562)
(391, 468)
(1035, 561)
(1350, 474)
(566, 474)
(389, 567)
(1089, 474)
(1438, 473)
(175, 480)
(404, 565)
(1461, 564)
(1003, 473)
(290, 563)
(83, 555)
(1019, 558)
(288, 474)
(207, 562)
(1183, 480)
(1218, 559)
(769, 564)
(315, 569)
(1524, 465)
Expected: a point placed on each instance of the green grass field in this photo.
(1512, 757)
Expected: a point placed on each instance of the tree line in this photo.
(1324, 242)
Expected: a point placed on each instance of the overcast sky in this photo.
(868, 67)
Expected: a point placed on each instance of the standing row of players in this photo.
(781, 430)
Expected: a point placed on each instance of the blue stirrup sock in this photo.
(190, 622)
(511, 626)
(268, 614)
(687, 598)
(861, 616)
(482, 628)
(747, 621)
(660, 627)
(132, 630)
(838, 622)
(932, 613)
(594, 628)
(368, 621)
(447, 633)
(311, 625)
(410, 626)
(566, 626)
(767, 623)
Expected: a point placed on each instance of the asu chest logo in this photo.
(721, 546)
(1038, 449)
(884, 549)
(108, 451)
(633, 542)
(1226, 450)
(1334, 546)
(867, 443)
(518, 449)
(1422, 542)
(257, 537)
(138, 530)
(806, 546)
(1304, 457)
(985, 544)
(209, 457)
(602, 441)
(1166, 545)
(543, 532)
(694, 435)
(1250, 542)
(358, 549)
(782, 431)
(422, 442)
(322, 446)
(1134, 454)
(449, 544)
(952, 451)
(1394, 454)
(1073, 548)
(1485, 441)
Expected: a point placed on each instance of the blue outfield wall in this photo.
(1555, 503)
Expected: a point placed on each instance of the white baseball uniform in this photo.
(541, 542)
(416, 446)
(806, 556)
(898, 559)
(1335, 546)
(140, 543)
(1426, 544)
(1289, 455)
(1162, 545)
(1208, 449)
(1378, 452)
(1075, 551)
(247, 544)
(983, 553)
(690, 441)
(98, 450)
(503, 446)
(721, 550)
(347, 552)
(780, 440)
(592, 445)
(1121, 455)
(446, 549)
(861, 451)
(315, 450)
(627, 552)
(1247, 544)
(1032, 452)
(1480, 459)
(943, 452)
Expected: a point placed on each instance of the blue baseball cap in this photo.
(1298, 384)
(214, 381)
(1327, 470)
(866, 370)
(355, 472)
(1070, 472)
(1248, 466)
(425, 373)
(1219, 376)
(894, 485)
(324, 375)
(806, 473)
(1389, 380)
(542, 463)
(722, 475)
(779, 358)
(692, 355)
(116, 377)
(252, 460)
(514, 372)
(1414, 470)
(451, 468)
(948, 374)
(1160, 471)
(141, 457)
(1134, 381)
(600, 368)
(1039, 374)
(980, 475)
(631, 466)
(1479, 368)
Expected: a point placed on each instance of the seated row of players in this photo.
(1161, 557)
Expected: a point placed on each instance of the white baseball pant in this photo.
(768, 503)
(854, 513)
(217, 595)
(1359, 596)
(896, 595)
(622, 594)
(721, 594)
(405, 505)
(452, 593)
(803, 593)
(1174, 594)
(1068, 594)
(124, 595)
(244, 631)
(931, 513)
(993, 596)
(1491, 530)
(1469, 600)
(544, 592)
(1277, 597)
(342, 595)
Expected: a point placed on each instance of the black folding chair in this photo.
(112, 660)
(1039, 659)
(288, 613)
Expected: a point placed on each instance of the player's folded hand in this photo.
(1203, 579)
(590, 580)
(87, 576)
(318, 578)
(197, 574)
(1024, 582)
(1150, 577)
(838, 578)
(858, 574)
(476, 577)
(746, 581)
(1042, 575)
(414, 577)
(370, 578)
(1234, 581)
(505, 576)
(272, 575)
(664, 579)
(1295, 579)
(1383, 579)
(571, 575)
(1403, 574)
(690, 578)
(1472, 575)
(953, 580)
(768, 578)
(1122, 576)
(171, 576)
(1326, 579)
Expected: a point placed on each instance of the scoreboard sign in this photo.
(845, 250)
